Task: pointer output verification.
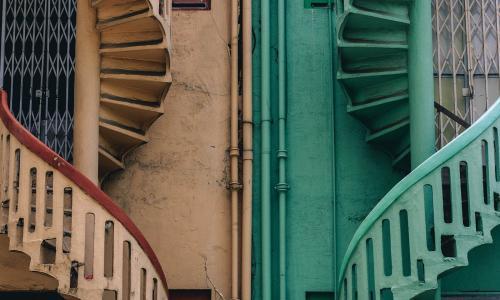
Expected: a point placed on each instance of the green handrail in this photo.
(416, 176)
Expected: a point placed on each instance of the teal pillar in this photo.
(421, 82)
(266, 149)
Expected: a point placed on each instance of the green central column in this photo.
(421, 82)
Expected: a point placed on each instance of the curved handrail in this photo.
(428, 166)
(87, 186)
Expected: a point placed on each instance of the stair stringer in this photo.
(373, 71)
(427, 259)
(135, 46)
(43, 214)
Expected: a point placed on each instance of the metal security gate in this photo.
(38, 38)
(466, 62)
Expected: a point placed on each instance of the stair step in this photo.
(390, 133)
(378, 105)
(126, 131)
(125, 18)
(108, 163)
(396, 8)
(403, 160)
(119, 138)
(346, 44)
(380, 15)
(117, 74)
(371, 27)
(128, 47)
(382, 113)
(346, 76)
(138, 113)
(136, 32)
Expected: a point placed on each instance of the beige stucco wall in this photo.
(174, 187)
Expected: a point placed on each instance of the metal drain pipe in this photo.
(234, 154)
(246, 244)
(282, 186)
(266, 149)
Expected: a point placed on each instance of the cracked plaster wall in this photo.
(174, 187)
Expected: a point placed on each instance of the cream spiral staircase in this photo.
(70, 229)
(135, 74)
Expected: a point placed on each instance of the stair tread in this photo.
(348, 44)
(129, 17)
(358, 11)
(131, 132)
(164, 78)
(149, 106)
(105, 153)
(138, 46)
(381, 102)
(343, 75)
(376, 135)
(402, 161)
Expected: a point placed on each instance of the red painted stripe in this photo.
(53, 159)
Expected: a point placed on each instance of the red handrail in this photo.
(67, 169)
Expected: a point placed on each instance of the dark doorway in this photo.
(190, 294)
(30, 296)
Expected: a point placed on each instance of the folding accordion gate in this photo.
(37, 61)
(466, 62)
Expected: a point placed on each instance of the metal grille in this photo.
(38, 37)
(466, 61)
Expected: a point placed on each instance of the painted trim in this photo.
(428, 166)
(67, 169)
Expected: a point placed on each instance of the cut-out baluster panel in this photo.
(71, 232)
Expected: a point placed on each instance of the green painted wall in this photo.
(363, 173)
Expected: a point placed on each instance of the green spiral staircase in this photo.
(427, 224)
(373, 70)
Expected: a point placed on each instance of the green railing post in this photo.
(421, 82)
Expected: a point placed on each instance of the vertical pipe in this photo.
(335, 95)
(246, 244)
(234, 153)
(282, 186)
(87, 92)
(266, 150)
(421, 82)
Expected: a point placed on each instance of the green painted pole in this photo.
(336, 90)
(421, 82)
(266, 150)
(282, 186)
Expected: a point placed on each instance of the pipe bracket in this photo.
(282, 187)
(247, 154)
(282, 154)
(234, 152)
(235, 186)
